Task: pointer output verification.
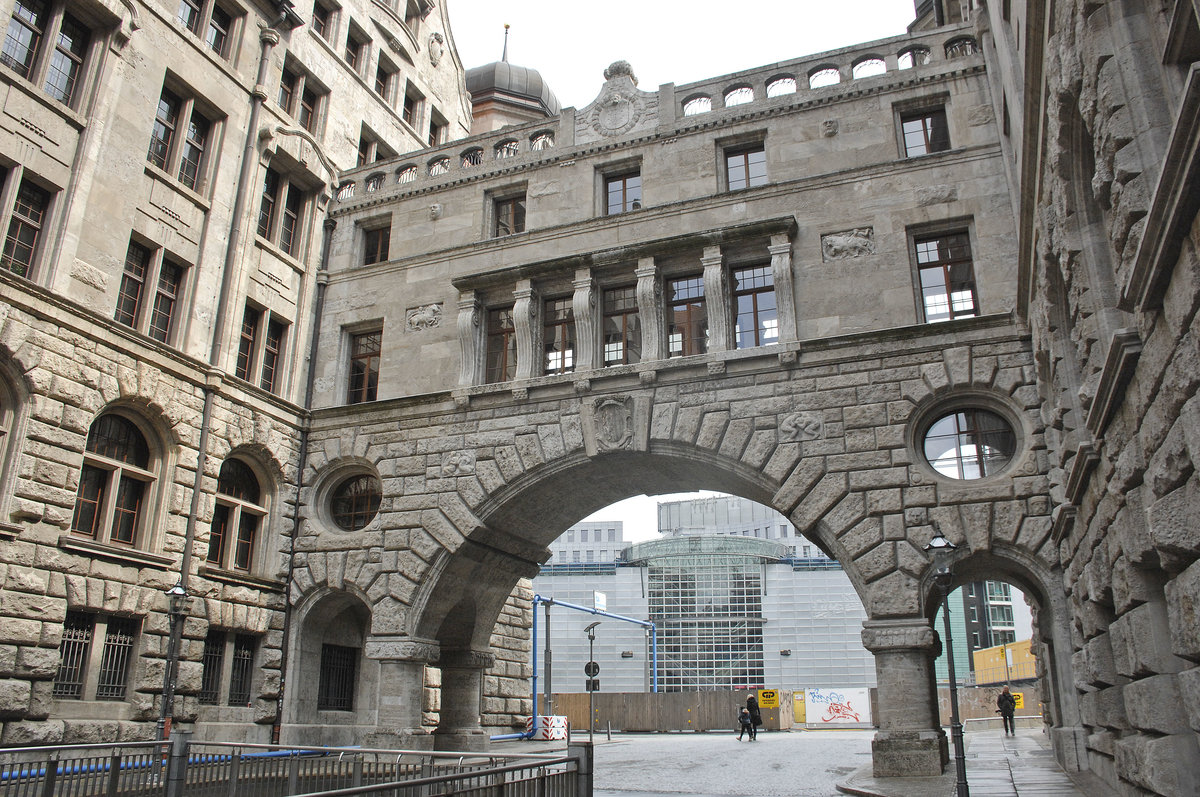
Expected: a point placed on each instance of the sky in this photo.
(571, 44)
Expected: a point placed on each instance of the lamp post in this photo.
(177, 597)
(941, 548)
(591, 635)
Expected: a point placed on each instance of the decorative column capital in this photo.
(402, 649)
(467, 659)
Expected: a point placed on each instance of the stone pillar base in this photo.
(404, 739)
(909, 754)
(465, 740)
(1070, 747)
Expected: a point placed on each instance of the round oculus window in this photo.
(355, 502)
(969, 444)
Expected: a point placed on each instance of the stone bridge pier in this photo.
(866, 447)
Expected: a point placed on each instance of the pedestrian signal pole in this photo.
(592, 671)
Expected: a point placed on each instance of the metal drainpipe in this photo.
(214, 376)
(315, 338)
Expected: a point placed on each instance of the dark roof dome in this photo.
(519, 83)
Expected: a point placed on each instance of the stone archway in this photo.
(831, 440)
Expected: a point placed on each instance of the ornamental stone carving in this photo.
(801, 426)
(615, 423)
(401, 650)
(848, 244)
(458, 463)
(620, 105)
(467, 659)
(437, 48)
(883, 635)
(419, 319)
(829, 128)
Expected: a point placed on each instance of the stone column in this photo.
(650, 309)
(462, 689)
(585, 308)
(910, 741)
(526, 315)
(471, 339)
(716, 299)
(401, 692)
(785, 294)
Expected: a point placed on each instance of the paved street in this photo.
(815, 763)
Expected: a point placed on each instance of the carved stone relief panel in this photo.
(848, 244)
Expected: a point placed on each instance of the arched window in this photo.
(961, 47)
(355, 502)
(781, 86)
(507, 149)
(697, 105)
(439, 166)
(406, 174)
(913, 56)
(345, 191)
(739, 96)
(115, 485)
(237, 518)
(472, 157)
(869, 67)
(374, 183)
(540, 141)
(827, 76)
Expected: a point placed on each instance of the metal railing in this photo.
(209, 769)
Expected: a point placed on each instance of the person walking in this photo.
(744, 724)
(1006, 704)
(755, 715)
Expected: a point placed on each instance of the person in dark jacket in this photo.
(1006, 704)
(755, 715)
(744, 724)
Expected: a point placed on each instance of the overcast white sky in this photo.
(570, 44)
(665, 42)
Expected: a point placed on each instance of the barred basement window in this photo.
(339, 670)
(88, 673)
(228, 663)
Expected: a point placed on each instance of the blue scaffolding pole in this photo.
(648, 625)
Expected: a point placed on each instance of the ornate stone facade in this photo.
(746, 284)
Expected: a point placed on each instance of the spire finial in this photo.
(504, 57)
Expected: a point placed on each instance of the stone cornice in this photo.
(1173, 209)
(1123, 353)
(1086, 460)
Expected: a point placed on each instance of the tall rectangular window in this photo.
(510, 216)
(247, 342)
(623, 192)
(183, 156)
(25, 228)
(947, 276)
(501, 346)
(756, 320)
(281, 211)
(622, 329)
(212, 663)
(746, 167)
(558, 336)
(439, 128)
(411, 111)
(242, 672)
(43, 37)
(272, 351)
(300, 95)
(322, 20)
(365, 352)
(145, 267)
(227, 668)
(925, 132)
(356, 49)
(687, 317)
(338, 675)
(376, 244)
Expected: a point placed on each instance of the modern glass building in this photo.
(734, 607)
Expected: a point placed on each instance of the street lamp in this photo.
(177, 598)
(591, 635)
(941, 548)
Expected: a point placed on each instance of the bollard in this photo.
(177, 763)
(584, 755)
